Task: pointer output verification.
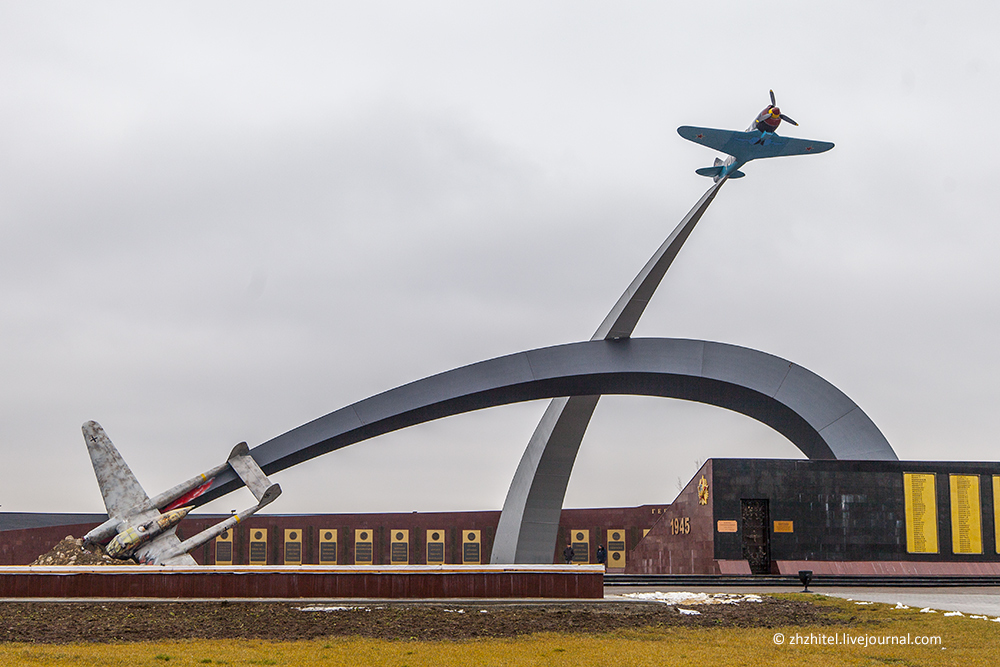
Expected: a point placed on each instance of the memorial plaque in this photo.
(327, 546)
(471, 547)
(293, 546)
(581, 545)
(920, 499)
(364, 553)
(996, 511)
(966, 515)
(784, 526)
(728, 526)
(435, 546)
(616, 548)
(399, 547)
(224, 548)
(258, 546)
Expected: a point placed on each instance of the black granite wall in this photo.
(843, 510)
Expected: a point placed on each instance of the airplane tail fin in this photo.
(251, 474)
(175, 556)
(716, 171)
(119, 487)
(263, 490)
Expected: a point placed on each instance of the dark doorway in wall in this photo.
(756, 536)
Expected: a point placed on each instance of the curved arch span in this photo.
(814, 415)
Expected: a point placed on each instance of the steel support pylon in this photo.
(529, 522)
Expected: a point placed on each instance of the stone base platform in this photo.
(894, 568)
(307, 581)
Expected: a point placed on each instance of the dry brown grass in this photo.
(964, 641)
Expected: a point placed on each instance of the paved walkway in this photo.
(968, 600)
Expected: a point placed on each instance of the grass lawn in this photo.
(962, 641)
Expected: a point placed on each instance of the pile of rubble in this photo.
(70, 551)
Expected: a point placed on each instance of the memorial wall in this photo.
(403, 538)
(735, 516)
(862, 510)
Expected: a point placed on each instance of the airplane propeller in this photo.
(783, 117)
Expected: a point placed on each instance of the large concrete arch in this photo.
(814, 415)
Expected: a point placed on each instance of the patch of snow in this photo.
(684, 597)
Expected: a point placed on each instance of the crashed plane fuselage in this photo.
(124, 544)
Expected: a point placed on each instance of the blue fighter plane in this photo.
(759, 141)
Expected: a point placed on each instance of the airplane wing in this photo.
(775, 146)
(748, 146)
(152, 551)
(119, 487)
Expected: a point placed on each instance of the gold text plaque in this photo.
(921, 513)
(784, 527)
(966, 515)
(996, 510)
(727, 526)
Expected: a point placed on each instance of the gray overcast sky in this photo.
(221, 220)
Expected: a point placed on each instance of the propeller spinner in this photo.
(776, 112)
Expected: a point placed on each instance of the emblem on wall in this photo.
(703, 491)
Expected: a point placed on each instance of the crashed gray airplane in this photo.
(145, 528)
